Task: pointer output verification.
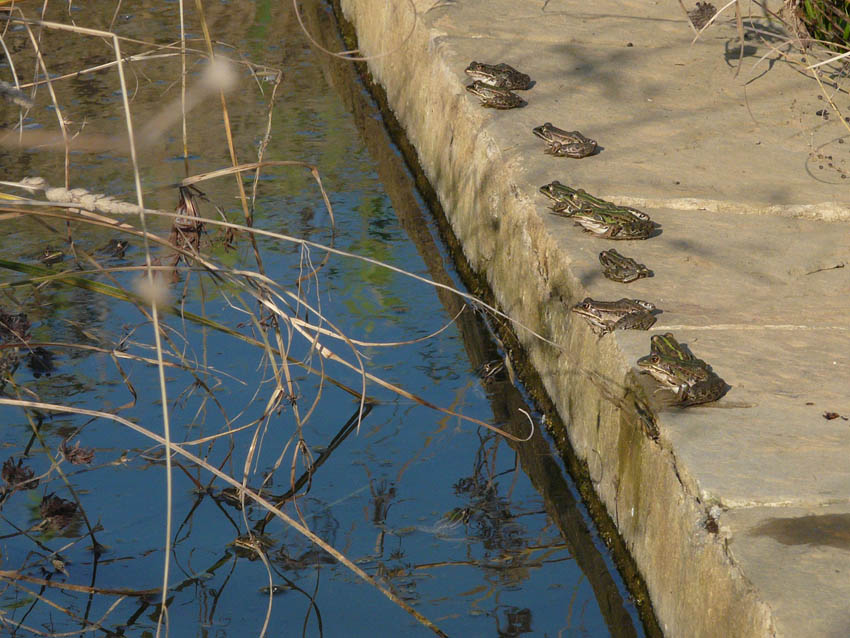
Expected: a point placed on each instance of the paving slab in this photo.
(801, 549)
(748, 180)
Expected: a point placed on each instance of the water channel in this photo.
(481, 535)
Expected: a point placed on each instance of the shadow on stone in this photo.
(831, 530)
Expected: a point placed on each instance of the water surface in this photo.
(481, 536)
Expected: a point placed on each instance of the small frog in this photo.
(49, 256)
(690, 379)
(617, 267)
(40, 361)
(499, 76)
(561, 143)
(624, 314)
(495, 98)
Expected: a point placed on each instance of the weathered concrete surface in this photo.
(787, 550)
(745, 271)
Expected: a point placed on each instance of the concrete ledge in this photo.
(759, 297)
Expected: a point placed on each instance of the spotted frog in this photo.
(597, 216)
(561, 143)
(691, 380)
(499, 76)
(617, 267)
(495, 98)
(624, 314)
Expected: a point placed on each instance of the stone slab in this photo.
(799, 550)
(669, 114)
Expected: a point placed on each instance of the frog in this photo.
(50, 256)
(495, 98)
(623, 314)
(114, 248)
(499, 76)
(597, 216)
(667, 346)
(561, 143)
(572, 200)
(691, 380)
(611, 224)
(620, 268)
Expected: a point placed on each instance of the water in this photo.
(441, 511)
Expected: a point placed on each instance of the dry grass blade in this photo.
(304, 242)
(324, 351)
(349, 55)
(12, 575)
(687, 15)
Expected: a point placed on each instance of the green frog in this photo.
(499, 76)
(667, 346)
(566, 200)
(495, 98)
(596, 216)
(608, 224)
(569, 201)
(49, 256)
(561, 143)
(624, 314)
(617, 267)
(690, 379)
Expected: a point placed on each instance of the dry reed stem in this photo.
(11, 62)
(348, 55)
(688, 18)
(138, 57)
(183, 129)
(89, 625)
(86, 589)
(154, 311)
(305, 242)
(324, 351)
(56, 106)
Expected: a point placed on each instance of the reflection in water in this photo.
(445, 515)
